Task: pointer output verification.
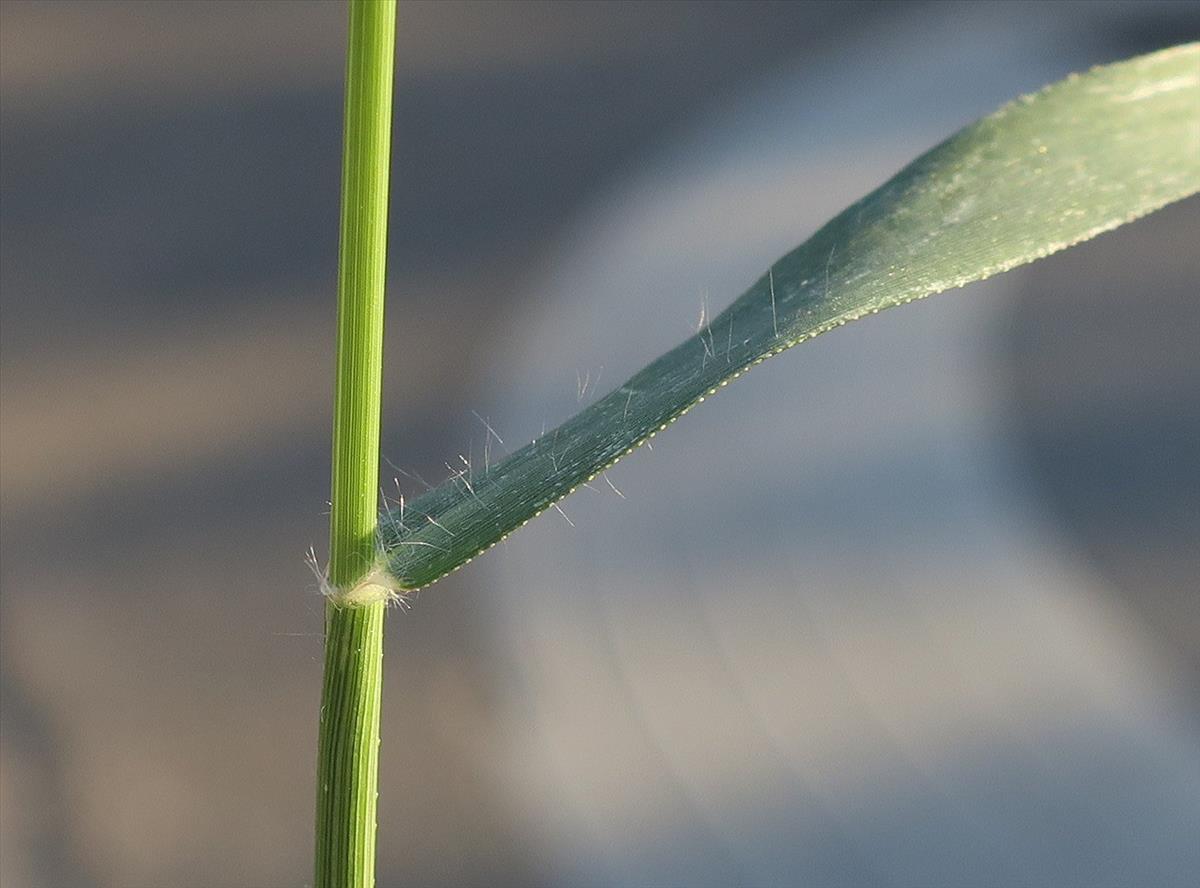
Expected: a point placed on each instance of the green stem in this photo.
(348, 742)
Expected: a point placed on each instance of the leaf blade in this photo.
(1044, 172)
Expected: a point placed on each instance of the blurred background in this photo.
(916, 604)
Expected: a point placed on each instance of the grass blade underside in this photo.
(1044, 172)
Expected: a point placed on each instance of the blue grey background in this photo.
(915, 604)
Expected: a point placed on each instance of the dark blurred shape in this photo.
(1104, 368)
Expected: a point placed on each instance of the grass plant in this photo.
(1044, 172)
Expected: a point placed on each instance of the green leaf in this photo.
(1044, 172)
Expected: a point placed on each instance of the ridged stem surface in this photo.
(348, 744)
